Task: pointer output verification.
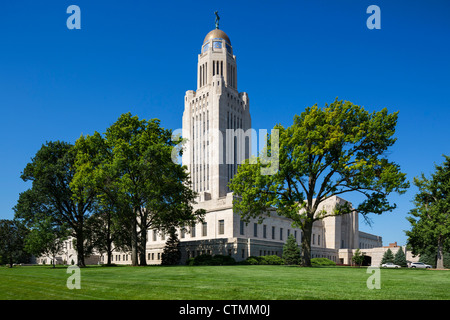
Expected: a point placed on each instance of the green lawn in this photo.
(244, 282)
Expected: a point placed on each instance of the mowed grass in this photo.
(222, 282)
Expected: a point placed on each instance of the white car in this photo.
(390, 265)
(419, 265)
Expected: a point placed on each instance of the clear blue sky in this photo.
(141, 56)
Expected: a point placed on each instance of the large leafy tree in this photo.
(137, 178)
(12, 242)
(430, 219)
(46, 238)
(53, 194)
(328, 151)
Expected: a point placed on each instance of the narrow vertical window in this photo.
(255, 229)
(193, 230)
(204, 229)
(221, 226)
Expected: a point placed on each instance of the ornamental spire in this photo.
(217, 19)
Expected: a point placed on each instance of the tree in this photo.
(400, 258)
(53, 193)
(388, 256)
(12, 237)
(358, 257)
(430, 219)
(329, 151)
(291, 251)
(46, 238)
(133, 173)
(171, 254)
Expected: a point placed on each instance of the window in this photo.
(204, 229)
(154, 235)
(193, 230)
(273, 233)
(318, 239)
(255, 229)
(264, 231)
(241, 228)
(314, 239)
(221, 226)
(281, 233)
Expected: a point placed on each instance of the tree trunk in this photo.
(109, 254)
(440, 254)
(142, 249)
(80, 248)
(134, 244)
(306, 244)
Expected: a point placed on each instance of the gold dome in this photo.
(217, 33)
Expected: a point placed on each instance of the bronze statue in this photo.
(217, 19)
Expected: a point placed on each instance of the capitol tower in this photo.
(215, 119)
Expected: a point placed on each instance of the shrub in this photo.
(271, 260)
(202, 260)
(322, 262)
(251, 261)
(209, 260)
(263, 260)
(221, 260)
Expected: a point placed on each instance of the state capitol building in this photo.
(215, 106)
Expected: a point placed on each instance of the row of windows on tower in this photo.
(234, 122)
(200, 152)
(217, 69)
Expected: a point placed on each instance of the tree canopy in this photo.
(430, 218)
(326, 152)
(110, 187)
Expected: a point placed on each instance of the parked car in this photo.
(419, 265)
(390, 265)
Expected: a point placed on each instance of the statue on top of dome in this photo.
(217, 19)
